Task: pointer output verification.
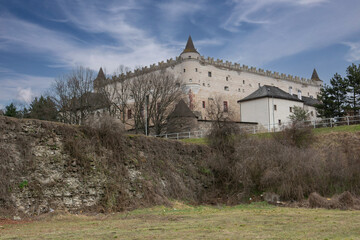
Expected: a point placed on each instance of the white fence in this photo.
(318, 123)
(182, 135)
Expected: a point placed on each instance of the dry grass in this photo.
(255, 221)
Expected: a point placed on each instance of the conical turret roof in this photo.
(189, 46)
(181, 110)
(315, 76)
(101, 74)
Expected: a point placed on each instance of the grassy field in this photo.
(317, 131)
(254, 221)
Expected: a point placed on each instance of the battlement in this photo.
(245, 68)
(220, 64)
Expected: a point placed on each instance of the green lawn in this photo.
(254, 221)
(350, 128)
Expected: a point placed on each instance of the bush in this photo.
(285, 166)
(297, 134)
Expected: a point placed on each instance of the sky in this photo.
(41, 40)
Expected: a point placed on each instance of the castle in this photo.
(206, 78)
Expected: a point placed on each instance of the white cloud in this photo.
(22, 88)
(354, 51)
(288, 27)
(25, 95)
(262, 11)
(131, 45)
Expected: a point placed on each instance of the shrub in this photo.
(297, 134)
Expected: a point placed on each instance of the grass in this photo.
(254, 221)
(195, 140)
(345, 128)
(317, 131)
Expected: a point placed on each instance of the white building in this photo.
(271, 107)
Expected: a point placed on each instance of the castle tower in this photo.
(100, 79)
(190, 51)
(315, 76)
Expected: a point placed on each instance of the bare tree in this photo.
(218, 111)
(165, 92)
(116, 92)
(72, 94)
(153, 97)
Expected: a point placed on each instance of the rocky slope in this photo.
(48, 166)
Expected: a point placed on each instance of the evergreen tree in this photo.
(338, 92)
(333, 98)
(43, 109)
(327, 107)
(10, 110)
(353, 83)
(299, 114)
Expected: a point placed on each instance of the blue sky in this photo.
(40, 40)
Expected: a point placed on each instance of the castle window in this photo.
(226, 109)
(291, 109)
(279, 122)
(204, 84)
(209, 74)
(190, 80)
(227, 78)
(195, 69)
(275, 107)
(239, 89)
(184, 70)
(203, 104)
(259, 84)
(189, 56)
(243, 81)
(129, 114)
(226, 88)
(208, 84)
(290, 90)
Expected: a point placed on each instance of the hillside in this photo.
(48, 166)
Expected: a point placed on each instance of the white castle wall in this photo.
(239, 80)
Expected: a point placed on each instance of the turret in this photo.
(190, 51)
(315, 76)
(100, 79)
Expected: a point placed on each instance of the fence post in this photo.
(177, 136)
(347, 119)
(189, 134)
(254, 129)
(166, 136)
(330, 122)
(314, 123)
